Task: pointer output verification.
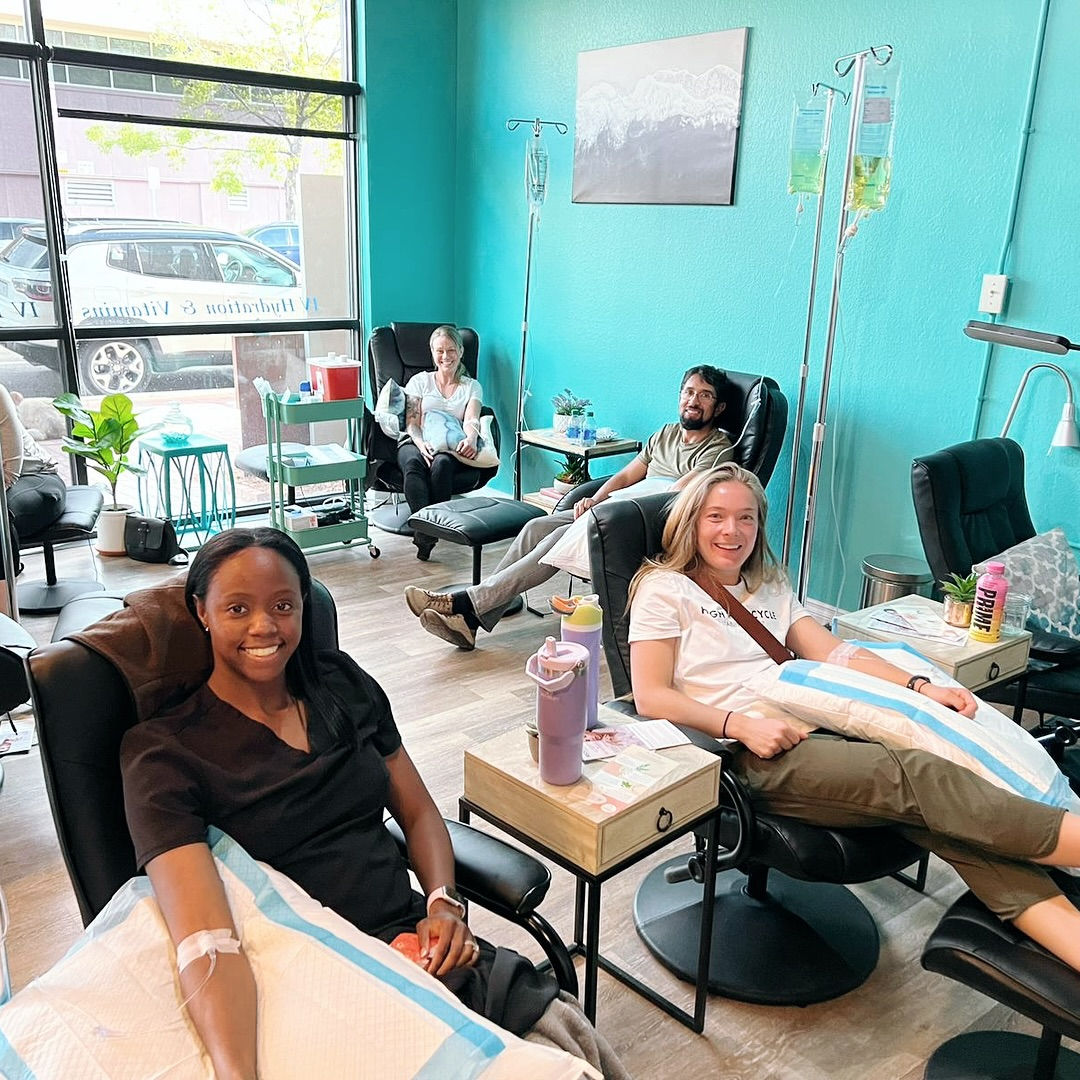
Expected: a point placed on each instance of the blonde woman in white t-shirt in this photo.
(689, 660)
(429, 473)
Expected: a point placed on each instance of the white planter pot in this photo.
(562, 485)
(110, 531)
(560, 422)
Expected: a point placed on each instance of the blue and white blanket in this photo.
(851, 703)
(333, 1002)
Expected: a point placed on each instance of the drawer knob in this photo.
(994, 670)
(664, 819)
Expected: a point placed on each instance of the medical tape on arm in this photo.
(844, 653)
(204, 943)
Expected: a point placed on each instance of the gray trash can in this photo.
(885, 577)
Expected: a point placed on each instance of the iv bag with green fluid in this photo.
(871, 167)
(807, 149)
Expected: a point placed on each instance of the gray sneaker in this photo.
(452, 628)
(420, 600)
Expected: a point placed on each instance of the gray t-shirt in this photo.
(666, 456)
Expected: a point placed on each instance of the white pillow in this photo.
(444, 431)
(1045, 569)
(390, 409)
(852, 703)
(571, 551)
(333, 1002)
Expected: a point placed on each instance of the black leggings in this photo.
(426, 484)
(34, 501)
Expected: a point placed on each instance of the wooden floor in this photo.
(444, 700)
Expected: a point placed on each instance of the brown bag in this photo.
(777, 651)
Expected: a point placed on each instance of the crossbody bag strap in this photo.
(778, 652)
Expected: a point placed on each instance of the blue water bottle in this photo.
(588, 431)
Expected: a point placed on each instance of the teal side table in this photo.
(190, 483)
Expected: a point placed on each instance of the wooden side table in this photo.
(975, 664)
(550, 439)
(203, 501)
(587, 831)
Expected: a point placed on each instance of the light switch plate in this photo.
(992, 296)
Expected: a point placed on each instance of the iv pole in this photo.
(881, 54)
(536, 166)
(804, 371)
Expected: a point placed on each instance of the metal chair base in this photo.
(41, 598)
(392, 517)
(805, 942)
(1003, 1055)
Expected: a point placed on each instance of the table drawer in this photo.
(643, 823)
(1002, 663)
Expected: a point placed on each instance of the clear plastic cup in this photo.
(1017, 609)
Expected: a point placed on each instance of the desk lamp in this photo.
(1066, 433)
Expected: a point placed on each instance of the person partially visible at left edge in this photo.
(674, 452)
(296, 756)
(36, 493)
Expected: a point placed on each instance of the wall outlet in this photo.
(992, 297)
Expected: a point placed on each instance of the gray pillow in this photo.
(1045, 569)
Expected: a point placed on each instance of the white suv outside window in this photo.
(147, 272)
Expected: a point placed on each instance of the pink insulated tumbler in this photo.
(560, 671)
(585, 626)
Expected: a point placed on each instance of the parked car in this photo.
(126, 272)
(282, 236)
(10, 226)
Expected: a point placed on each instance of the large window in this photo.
(204, 160)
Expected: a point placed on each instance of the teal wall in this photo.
(625, 297)
(409, 159)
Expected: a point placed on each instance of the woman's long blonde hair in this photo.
(680, 532)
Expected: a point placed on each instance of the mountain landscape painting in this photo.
(658, 122)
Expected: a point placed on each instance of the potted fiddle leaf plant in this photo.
(573, 470)
(104, 437)
(959, 598)
(566, 405)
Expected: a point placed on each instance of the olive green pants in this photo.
(986, 833)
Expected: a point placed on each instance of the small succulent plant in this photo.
(568, 404)
(572, 470)
(960, 589)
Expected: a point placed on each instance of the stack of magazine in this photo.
(916, 622)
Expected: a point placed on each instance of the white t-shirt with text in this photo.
(714, 655)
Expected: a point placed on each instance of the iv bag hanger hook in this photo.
(815, 87)
(537, 124)
(881, 55)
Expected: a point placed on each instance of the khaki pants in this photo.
(986, 833)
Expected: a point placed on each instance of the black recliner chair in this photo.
(970, 505)
(80, 733)
(399, 351)
(785, 930)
